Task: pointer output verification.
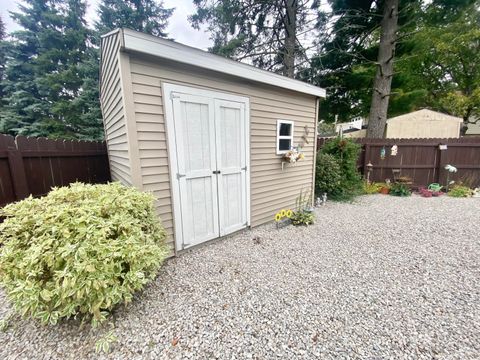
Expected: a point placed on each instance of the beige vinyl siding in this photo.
(113, 111)
(271, 188)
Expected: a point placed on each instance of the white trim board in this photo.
(168, 49)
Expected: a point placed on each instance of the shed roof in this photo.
(425, 114)
(168, 49)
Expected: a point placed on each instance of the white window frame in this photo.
(283, 137)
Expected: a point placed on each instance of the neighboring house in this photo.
(473, 129)
(356, 133)
(205, 134)
(423, 124)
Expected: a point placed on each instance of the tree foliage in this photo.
(346, 60)
(268, 34)
(146, 16)
(446, 63)
(3, 34)
(50, 82)
(44, 75)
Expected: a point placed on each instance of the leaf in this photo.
(46, 295)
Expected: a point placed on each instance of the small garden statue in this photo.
(451, 169)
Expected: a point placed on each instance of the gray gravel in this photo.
(382, 278)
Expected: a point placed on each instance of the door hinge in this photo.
(180, 175)
(244, 168)
(216, 172)
(174, 96)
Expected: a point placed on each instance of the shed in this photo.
(424, 123)
(205, 134)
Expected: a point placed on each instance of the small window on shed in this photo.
(284, 136)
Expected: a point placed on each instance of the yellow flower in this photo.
(278, 216)
(289, 213)
(283, 213)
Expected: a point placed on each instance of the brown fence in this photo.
(34, 165)
(423, 160)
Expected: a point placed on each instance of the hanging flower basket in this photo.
(293, 155)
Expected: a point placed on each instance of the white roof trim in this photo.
(167, 49)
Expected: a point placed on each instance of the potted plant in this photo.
(384, 188)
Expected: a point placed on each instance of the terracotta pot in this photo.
(384, 190)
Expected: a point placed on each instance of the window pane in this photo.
(285, 129)
(285, 144)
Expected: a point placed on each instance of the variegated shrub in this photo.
(79, 250)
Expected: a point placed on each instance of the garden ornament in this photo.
(451, 169)
(324, 198)
(382, 153)
(394, 150)
(369, 170)
(435, 187)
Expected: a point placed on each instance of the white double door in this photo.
(210, 138)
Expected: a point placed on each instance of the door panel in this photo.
(207, 140)
(195, 145)
(230, 131)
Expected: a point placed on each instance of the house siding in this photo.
(113, 111)
(271, 188)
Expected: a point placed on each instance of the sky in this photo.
(179, 28)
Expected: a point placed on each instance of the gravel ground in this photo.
(381, 278)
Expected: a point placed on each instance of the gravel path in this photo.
(382, 278)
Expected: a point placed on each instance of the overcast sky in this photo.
(179, 28)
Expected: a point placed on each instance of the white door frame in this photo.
(167, 91)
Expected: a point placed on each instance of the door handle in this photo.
(216, 172)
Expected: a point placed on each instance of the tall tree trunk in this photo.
(383, 78)
(290, 38)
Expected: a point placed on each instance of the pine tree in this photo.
(3, 34)
(269, 34)
(43, 76)
(146, 16)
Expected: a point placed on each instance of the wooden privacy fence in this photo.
(423, 160)
(34, 165)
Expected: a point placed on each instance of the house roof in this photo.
(171, 50)
(425, 114)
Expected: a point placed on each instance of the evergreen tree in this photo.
(43, 76)
(3, 34)
(347, 58)
(269, 34)
(147, 16)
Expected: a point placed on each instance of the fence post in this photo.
(17, 171)
(438, 165)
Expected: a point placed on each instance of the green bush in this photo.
(460, 191)
(346, 153)
(328, 175)
(79, 251)
(302, 217)
(372, 188)
(400, 189)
